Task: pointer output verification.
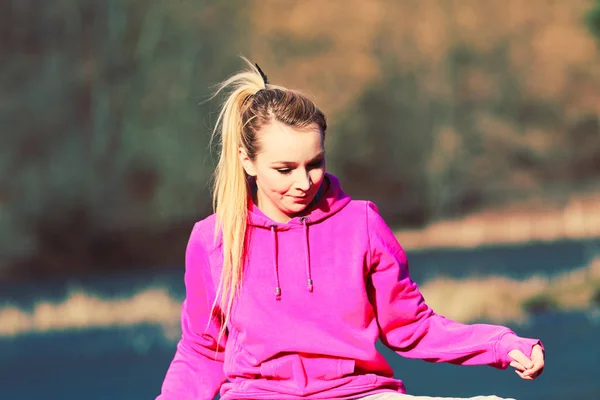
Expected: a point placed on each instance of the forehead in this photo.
(281, 141)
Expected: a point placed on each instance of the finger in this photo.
(537, 355)
(517, 365)
(536, 374)
(535, 371)
(538, 361)
(521, 358)
(531, 377)
(523, 376)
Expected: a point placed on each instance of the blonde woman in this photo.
(290, 283)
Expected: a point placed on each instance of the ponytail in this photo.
(230, 192)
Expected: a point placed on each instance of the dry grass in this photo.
(494, 299)
(500, 300)
(82, 310)
(578, 219)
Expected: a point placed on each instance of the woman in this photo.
(290, 283)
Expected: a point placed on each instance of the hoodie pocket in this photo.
(300, 367)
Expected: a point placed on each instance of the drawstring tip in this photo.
(277, 293)
(310, 285)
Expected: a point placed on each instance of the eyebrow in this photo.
(290, 163)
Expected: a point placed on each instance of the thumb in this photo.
(537, 354)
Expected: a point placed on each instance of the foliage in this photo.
(105, 128)
(105, 161)
(593, 19)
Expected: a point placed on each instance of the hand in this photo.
(526, 368)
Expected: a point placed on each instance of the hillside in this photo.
(438, 110)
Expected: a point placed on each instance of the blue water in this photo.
(130, 362)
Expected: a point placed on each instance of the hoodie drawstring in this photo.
(309, 281)
(275, 264)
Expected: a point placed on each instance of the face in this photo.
(289, 169)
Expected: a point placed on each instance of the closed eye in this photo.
(313, 165)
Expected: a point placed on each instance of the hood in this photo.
(328, 201)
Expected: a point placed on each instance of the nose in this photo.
(304, 182)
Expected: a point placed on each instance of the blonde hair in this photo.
(251, 103)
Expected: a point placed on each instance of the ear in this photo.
(246, 162)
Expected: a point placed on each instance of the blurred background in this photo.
(473, 125)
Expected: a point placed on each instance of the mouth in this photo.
(300, 199)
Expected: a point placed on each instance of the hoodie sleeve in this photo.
(411, 328)
(196, 371)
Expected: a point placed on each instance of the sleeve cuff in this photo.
(510, 341)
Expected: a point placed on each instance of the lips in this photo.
(300, 199)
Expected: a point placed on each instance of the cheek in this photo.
(317, 176)
(272, 182)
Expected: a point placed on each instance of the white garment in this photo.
(400, 396)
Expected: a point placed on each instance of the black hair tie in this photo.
(262, 74)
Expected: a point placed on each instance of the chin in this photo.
(296, 208)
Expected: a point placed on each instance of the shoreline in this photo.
(578, 219)
(508, 225)
(494, 299)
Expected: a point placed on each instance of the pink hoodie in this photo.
(343, 283)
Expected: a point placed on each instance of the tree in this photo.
(593, 19)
